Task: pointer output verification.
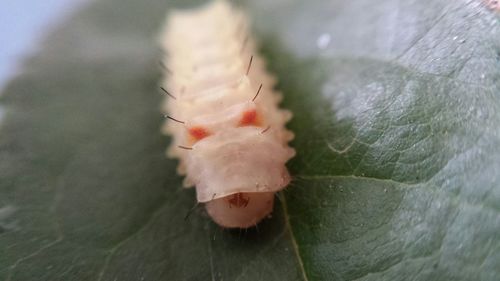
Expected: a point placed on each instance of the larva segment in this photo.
(238, 160)
(232, 141)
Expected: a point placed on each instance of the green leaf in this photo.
(397, 119)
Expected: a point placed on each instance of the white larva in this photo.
(228, 131)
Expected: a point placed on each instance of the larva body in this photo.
(229, 133)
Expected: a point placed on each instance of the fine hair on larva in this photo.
(223, 114)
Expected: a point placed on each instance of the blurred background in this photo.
(22, 25)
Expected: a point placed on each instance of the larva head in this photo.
(239, 162)
(241, 210)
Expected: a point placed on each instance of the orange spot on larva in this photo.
(249, 118)
(198, 133)
(238, 200)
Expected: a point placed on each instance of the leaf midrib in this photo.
(292, 238)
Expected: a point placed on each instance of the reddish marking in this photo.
(238, 200)
(198, 133)
(249, 118)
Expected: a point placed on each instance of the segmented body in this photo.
(228, 132)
